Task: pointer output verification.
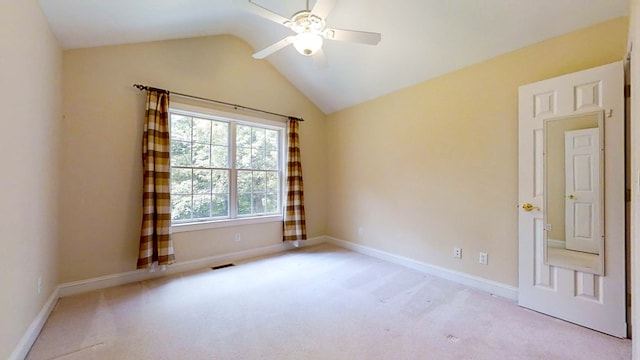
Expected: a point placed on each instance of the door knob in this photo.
(571, 196)
(529, 207)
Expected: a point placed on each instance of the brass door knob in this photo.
(529, 207)
(571, 196)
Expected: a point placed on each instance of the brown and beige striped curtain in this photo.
(155, 236)
(295, 227)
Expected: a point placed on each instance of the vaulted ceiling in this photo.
(421, 39)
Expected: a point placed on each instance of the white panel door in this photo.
(582, 189)
(593, 301)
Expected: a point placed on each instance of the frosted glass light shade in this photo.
(307, 43)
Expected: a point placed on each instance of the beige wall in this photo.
(30, 98)
(434, 166)
(101, 168)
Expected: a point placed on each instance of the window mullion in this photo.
(211, 151)
(233, 173)
(191, 161)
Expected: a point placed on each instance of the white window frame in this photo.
(241, 119)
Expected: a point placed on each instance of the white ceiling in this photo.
(421, 39)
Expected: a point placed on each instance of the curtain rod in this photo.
(235, 106)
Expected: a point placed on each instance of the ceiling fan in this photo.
(310, 28)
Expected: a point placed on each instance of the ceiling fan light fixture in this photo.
(310, 30)
(307, 43)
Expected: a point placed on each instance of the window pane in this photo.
(180, 207)
(201, 206)
(180, 127)
(221, 182)
(272, 140)
(201, 155)
(219, 156)
(202, 131)
(244, 204)
(180, 153)
(244, 181)
(243, 158)
(220, 133)
(220, 205)
(258, 203)
(258, 159)
(271, 205)
(258, 138)
(181, 181)
(243, 136)
(202, 181)
(271, 162)
(259, 182)
(273, 184)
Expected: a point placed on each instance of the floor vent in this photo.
(222, 266)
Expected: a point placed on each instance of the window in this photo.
(224, 169)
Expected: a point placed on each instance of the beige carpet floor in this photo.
(315, 303)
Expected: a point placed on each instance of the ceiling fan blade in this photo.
(260, 11)
(273, 48)
(361, 37)
(322, 8)
(320, 59)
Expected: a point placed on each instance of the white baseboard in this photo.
(30, 336)
(102, 282)
(492, 287)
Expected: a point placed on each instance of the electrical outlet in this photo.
(39, 284)
(237, 237)
(457, 253)
(360, 232)
(483, 258)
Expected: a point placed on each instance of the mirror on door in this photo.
(574, 192)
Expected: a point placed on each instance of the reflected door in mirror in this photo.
(582, 201)
(573, 189)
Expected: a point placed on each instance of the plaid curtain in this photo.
(294, 222)
(155, 236)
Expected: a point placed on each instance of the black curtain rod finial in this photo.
(145, 87)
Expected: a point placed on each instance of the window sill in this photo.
(204, 225)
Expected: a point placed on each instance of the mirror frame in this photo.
(571, 259)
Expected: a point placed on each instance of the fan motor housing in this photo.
(306, 21)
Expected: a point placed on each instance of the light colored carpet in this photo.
(315, 303)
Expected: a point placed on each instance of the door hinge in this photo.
(627, 195)
(628, 298)
(627, 91)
